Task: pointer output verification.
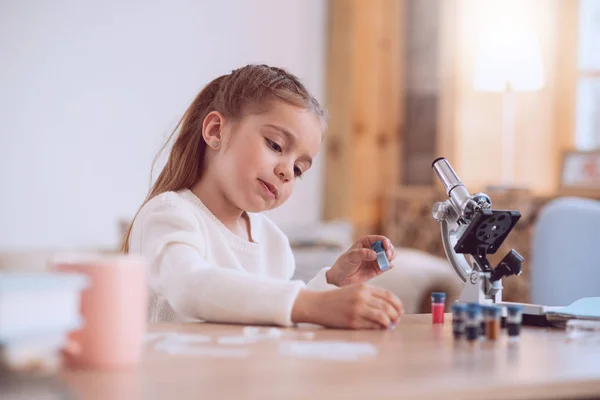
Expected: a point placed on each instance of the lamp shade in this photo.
(508, 58)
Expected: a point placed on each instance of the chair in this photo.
(566, 252)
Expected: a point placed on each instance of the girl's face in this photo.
(264, 154)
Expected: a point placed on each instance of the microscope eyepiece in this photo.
(436, 160)
(446, 174)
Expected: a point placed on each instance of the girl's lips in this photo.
(271, 190)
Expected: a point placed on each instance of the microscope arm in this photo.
(457, 261)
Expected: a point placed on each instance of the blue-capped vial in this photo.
(458, 319)
(378, 246)
(382, 260)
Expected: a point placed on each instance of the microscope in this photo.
(471, 228)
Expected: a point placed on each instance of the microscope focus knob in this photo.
(440, 211)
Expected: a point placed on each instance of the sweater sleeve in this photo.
(319, 282)
(173, 243)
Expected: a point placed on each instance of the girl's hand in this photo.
(359, 264)
(352, 307)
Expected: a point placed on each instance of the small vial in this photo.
(458, 320)
(472, 322)
(437, 307)
(513, 321)
(382, 260)
(493, 322)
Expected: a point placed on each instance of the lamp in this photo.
(508, 61)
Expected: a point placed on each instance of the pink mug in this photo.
(113, 308)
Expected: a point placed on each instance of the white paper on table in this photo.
(259, 333)
(236, 340)
(175, 337)
(187, 338)
(331, 350)
(154, 335)
(308, 335)
(206, 351)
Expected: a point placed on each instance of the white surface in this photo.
(38, 304)
(90, 90)
(298, 344)
(43, 351)
(236, 340)
(179, 338)
(328, 350)
(206, 351)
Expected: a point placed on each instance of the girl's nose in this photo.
(284, 173)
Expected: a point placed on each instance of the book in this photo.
(585, 308)
(37, 311)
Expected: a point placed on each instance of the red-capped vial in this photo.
(437, 307)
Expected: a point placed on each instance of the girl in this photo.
(244, 141)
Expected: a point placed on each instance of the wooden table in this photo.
(416, 360)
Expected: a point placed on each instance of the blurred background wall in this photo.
(90, 90)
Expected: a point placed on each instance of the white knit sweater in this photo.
(199, 270)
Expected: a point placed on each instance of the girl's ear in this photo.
(211, 129)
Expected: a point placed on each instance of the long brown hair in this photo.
(232, 95)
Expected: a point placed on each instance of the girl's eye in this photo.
(297, 172)
(274, 146)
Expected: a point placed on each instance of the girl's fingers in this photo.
(390, 298)
(368, 240)
(393, 255)
(386, 243)
(377, 316)
(357, 256)
(390, 253)
(385, 307)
